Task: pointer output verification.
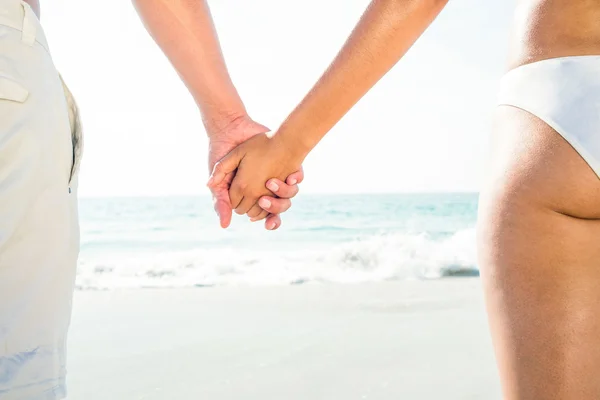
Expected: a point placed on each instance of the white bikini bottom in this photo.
(565, 94)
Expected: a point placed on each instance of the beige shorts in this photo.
(39, 231)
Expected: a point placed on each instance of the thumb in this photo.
(223, 207)
(226, 165)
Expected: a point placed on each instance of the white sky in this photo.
(424, 127)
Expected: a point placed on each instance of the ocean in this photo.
(174, 242)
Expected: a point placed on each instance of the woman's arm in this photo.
(384, 34)
(386, 31)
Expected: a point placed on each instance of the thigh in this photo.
(539, 249)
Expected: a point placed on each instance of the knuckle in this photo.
(235, 190)
(242, 185)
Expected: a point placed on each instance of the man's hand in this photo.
(277, 205)
(225, 137)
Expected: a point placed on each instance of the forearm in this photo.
(184, 30)
(386, 31)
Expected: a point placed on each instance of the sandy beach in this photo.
(401, 340)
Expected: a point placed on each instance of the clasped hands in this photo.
(253, 172)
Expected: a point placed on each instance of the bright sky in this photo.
(424, 127)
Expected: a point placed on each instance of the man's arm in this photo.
(185, 32)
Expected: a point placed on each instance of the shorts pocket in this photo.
(76, 131)
(12, 90)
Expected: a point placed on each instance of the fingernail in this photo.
(271, 226)
(254, 219)
(293, 181)
(272, 186)
(210, 180)
(264, 203)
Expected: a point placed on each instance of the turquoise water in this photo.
(176, 241)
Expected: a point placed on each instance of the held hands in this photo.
(257, 160)
(222, 140)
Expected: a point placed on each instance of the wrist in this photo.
(293, 143)
(219, 107)
(218, 124)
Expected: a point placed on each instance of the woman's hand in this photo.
(224, 138)
(257, 161)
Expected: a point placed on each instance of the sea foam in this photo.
(371, 259)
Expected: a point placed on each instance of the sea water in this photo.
(177, 242)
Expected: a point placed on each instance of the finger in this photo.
(236, 195)
(274, 205)
(296, 178)
(245, 205)
(282, 189)
(223, 208)
(255, 211)
(221, 201)
(263, 214)
(238, 210)
(273, 222)
(226, 165)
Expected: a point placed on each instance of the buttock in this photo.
(539, 233)
(565, 94)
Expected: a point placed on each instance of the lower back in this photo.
(555, 28)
